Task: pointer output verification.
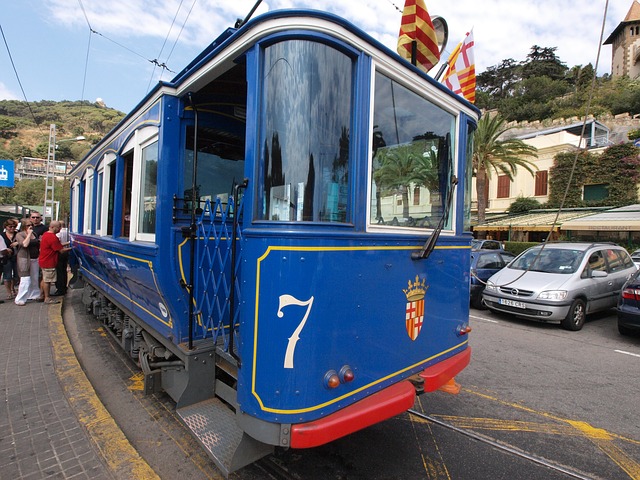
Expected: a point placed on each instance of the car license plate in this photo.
(512, 303)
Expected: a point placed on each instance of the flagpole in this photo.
(441, 71)
(414, 52)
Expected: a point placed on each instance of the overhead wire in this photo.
(181, 29)
(574, 164)
(15, 70)
(92, 31)
(165, 42)
(584, 123)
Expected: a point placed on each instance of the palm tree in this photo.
(396, 171)
(502, 156)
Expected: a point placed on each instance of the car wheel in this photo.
(625, 330)
(575, 318)
(478, 303)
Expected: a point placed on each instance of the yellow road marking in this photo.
(137, 382)
(603, 439)
(119, 455)
(434, 466)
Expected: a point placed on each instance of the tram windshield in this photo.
(412, 157)
(306, 113)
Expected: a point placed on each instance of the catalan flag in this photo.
(460, 76)
(417, 41)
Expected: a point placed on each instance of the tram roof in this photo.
(231, 34)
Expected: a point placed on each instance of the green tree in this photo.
(523, 204)
(543, 62)
(490, 153)
(397, 171)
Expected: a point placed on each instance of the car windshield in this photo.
(549, 260)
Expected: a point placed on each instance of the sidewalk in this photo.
(52, 425)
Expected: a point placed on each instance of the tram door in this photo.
(220, 165)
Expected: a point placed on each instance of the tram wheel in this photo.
(575, 318)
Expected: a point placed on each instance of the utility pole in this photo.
(49, 198)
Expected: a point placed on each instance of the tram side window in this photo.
(126, 194)
(306, 112)
(111, 195)
(88, 201)
(99, 191)
(148, 185)
(413, 146)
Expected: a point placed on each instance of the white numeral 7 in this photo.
(285, 301)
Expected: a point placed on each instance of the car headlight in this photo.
(553, 295)
(490, 286)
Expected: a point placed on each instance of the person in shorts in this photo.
(50, 249)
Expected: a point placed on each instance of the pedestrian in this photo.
(39, 229)
(28, 269)
(50, 248)
(62, 279)
(9, 261)
(4, 251)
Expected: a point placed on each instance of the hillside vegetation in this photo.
(24, 127)
(542, 87)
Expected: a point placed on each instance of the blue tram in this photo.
(280, 235)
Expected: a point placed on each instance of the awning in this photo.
(535, 220)
(623, 219)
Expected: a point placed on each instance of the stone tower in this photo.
(625, 44)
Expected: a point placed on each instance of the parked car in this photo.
(486, 245)
(629, 306)
(635, 256)
(485, 263)
(560, 282)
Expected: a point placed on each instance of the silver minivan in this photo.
(560, 282)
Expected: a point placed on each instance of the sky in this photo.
(97, 49)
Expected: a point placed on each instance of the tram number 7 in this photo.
(285, 301)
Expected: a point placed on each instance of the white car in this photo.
(560, 282)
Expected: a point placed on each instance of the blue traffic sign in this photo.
(7, 174)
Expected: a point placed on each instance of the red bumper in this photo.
(440, 373)
(391, 401)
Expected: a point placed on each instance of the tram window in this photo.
(111, 195)
(306, 114)
(88, 201)
(75, 202)
(220, 161)
(99, 186)
(148, 185)
(126, 194)
(468, 184)
(412, 148)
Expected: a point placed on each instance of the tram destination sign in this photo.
(7, 173)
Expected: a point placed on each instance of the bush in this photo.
(518, 247)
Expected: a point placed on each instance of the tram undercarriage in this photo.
(203, 381)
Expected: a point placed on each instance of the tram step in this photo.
(214, 425)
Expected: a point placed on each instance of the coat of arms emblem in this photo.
(414, 315)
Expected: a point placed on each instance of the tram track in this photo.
(504, 448)
(274, 469)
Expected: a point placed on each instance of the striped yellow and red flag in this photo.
(417, 41)
(460, 76)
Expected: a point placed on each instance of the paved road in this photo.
(567, 398)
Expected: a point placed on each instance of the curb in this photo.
(119, 456)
